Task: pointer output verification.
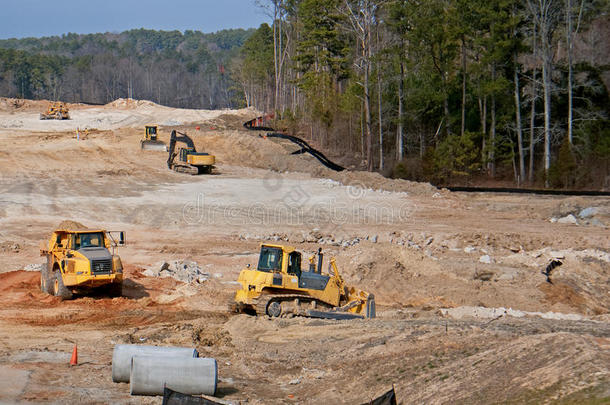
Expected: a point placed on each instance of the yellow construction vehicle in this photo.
(150, 141)
(56, 111)
(80, 259)
(279, 287)
(189, 160)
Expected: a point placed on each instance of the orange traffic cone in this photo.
(74, 359)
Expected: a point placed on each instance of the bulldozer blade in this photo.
(332, 315)
(154, 146)
(371, 311)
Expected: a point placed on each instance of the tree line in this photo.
(441, 90)
(448, 91)
(172, 68)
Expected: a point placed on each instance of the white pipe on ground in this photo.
(191, 376)
(121, 357)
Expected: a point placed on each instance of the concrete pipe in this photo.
(121, 357)
(192, 376)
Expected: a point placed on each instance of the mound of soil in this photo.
(71, 225)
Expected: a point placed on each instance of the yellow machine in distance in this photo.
(279, 287)
(188, 160)
(82, 259)
(151, 141)
(56, 111)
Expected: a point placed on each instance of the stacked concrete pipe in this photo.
(122, 355)
(192, 376)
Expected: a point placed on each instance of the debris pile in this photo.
(493, 313)
(592, 216)
(9, 247)
(35, 267)
(181, 270)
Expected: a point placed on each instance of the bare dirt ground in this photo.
(464, 314)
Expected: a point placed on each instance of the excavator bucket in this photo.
(153, 145)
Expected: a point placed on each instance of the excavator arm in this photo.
(184, 138)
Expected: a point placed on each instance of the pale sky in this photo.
(37, 18)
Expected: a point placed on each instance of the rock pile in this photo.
(9, 247)
(181, 270)
(595, 216)
(35, 267)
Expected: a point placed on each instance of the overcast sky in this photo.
(37, 18)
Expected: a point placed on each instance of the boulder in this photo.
(568, 219)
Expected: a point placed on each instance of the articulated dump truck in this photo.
(80, 260)
(279, 287)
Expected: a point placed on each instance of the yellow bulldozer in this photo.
(279, 287)
(56, 111)
(188, 160)
(151, 141)
(81, 259)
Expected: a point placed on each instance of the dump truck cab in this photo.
(279, 285)
(80, 260)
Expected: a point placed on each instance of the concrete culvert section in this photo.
(122, 355)
(192, 376)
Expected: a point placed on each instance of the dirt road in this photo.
(421, 251)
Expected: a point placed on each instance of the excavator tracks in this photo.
(193, 170)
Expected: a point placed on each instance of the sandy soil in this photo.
(437, 262)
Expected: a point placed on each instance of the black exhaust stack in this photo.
(320, 260)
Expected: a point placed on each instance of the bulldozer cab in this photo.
(294, 264)
(276, 259)
(270, 259)
(151, 132)
(151, 140)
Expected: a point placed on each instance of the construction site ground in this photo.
(464, 313)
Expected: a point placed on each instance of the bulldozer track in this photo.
(263, 302)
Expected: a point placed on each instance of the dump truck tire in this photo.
(59, 289)
(44, 282)
(45, 277)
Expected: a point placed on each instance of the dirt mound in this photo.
(71, 225)
(126, 103)
(539, 369)
(375, 181)
(399, 276)
(19, 280)
(17, 104)
(251, 150)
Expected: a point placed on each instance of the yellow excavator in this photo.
(188, 160)
(151, 141)
(56, 111)
(279, 287)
